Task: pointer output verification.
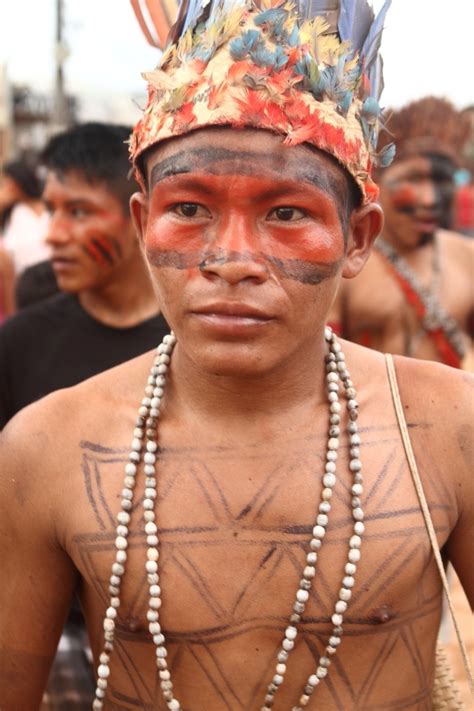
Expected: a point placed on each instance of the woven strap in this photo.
(424, 506)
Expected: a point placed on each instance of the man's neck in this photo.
(291, 391)
(127, 300)
(425, 242)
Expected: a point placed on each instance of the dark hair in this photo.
(98, 152)
(25, 175)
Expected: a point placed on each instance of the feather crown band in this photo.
(309, 71)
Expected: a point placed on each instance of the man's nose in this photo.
(427, 194)
(57, 231)
(233, 255)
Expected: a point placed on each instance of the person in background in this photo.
(106, 313)
(7, 285)
(236, 508)
(415, 294)
(464, 200)
(24, 219)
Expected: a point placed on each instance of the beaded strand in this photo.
(335, 363)
(146, 428)
(336, 370)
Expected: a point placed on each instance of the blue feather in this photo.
(371, 45)
(203, 53)
(280, 58)
(272, 15)
(328, 80)
(345, 102)
(375, 76)
(294, 36)
(241, 46)
(386, 155)
(262, 56)
(355, 20)
(370, 107)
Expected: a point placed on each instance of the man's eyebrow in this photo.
(209, 158)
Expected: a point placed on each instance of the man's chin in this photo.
(240, 361)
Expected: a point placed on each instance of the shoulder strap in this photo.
(424, 505)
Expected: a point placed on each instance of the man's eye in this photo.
(78, 212)
(287, 214)
(189, 209)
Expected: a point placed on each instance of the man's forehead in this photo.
(246, 152)
(73, 185)
(420, 163)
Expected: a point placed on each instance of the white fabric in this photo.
(24, 237)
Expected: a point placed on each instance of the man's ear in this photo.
(139, 212)
(365, 225)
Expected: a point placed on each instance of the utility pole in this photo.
(61, 116)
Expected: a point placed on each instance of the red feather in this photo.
(184, 118)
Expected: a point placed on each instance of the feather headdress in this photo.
(429, 125)
(308, 70)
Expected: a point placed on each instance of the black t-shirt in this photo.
(56, 343)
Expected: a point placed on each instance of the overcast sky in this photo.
(427, 49)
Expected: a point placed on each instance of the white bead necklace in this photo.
(146, 429)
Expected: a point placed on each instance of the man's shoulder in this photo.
(428, 385)
(439, 395)
(457, 245)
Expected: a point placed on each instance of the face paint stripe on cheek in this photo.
(104, 248)
(94, 253)
(293, 269)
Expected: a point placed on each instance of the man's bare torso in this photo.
(374, 311)
(235, 519)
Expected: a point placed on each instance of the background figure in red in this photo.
(414, 296)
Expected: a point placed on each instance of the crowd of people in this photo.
(259, 253)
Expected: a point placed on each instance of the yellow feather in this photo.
(159, 79)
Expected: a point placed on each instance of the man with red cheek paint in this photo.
(240, 518)
(421, 271)
(106, 312)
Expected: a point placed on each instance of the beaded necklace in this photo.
(435, 320)
(144, 448)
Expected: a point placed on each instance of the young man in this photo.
(107, 312)
(422, 271)
(250, 601)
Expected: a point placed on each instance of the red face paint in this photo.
(404, 198)
(103, 249)
(240, 216)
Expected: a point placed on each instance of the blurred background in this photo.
(63, 61)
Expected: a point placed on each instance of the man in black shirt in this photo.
(106, 313)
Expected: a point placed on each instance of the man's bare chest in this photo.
(234, 531)
(383, 310)
(235, 526)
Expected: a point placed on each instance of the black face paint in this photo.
(294, 269)
(442, 175)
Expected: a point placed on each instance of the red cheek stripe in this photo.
(95, 254)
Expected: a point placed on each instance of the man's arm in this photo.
(38, 577)
(460, 545)
(439, 406)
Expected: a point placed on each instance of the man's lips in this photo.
(232, 317)
(233, 309)
(426, 225)
(59, 262)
